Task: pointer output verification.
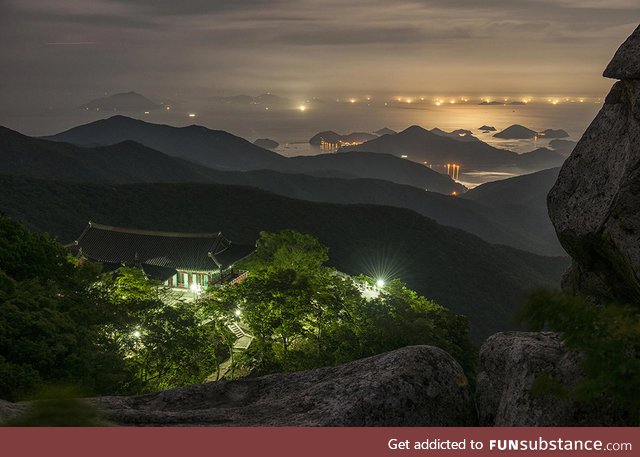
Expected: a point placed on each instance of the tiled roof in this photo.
(159, 251)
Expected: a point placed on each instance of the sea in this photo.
(292, 123)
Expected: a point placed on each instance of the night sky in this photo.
(85, 48)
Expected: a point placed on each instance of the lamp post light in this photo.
(196, 289)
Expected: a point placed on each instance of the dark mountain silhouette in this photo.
(376, 166)
(126, 102)
(221, 150)
(385, 131)
(524, 200)
(130, 162)
(213, 148)
(559, 133)
(516, 132)
(487, 128)
(421, 145)
(460, 134)
(120, 163)
(472, 277)
(439, 148)
(540, 159)
(562, 146)
(266, 143)
(359, 137)
(330, 136)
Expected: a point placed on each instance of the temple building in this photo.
(187, 261)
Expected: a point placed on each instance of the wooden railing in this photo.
(239, 278)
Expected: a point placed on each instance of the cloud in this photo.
(84, 46)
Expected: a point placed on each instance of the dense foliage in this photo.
(62, 322)
(59, 326)
(484, 282)
(165, 342)
(608, 336)
(304, 314)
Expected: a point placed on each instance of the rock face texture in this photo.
(413, 386)
(595, 204)
(510, 362)
(10, 411)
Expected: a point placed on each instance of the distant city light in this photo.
(352, 100)
(302, 108)
(168, 107)
(146, 112)
(380, 283)
(192, 115)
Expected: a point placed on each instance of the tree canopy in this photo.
(304, 314)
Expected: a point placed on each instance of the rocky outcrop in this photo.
(509, 365)
(595, 204)
(10, 411)
(412, 386)
(626, 61)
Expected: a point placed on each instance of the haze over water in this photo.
(287, 123)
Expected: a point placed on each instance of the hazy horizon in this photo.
(69, 52)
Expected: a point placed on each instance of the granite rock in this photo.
(595, 203)
(510, 362)
(412, 386)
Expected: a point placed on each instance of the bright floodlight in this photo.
(380, 283)
(195, 288)
(238, 312)
(136, 334)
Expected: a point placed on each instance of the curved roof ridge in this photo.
(112, 228)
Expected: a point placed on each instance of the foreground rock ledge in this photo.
(412, 386)
(509, 364)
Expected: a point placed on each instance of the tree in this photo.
(165, 342)
(608, 337)
(49, 327)
(63, 323)
(305, 314)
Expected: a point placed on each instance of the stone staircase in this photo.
(242, 343)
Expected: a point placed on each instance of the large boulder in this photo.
(595, 203)
(413, 386)
(10, 411)
(509, 365)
